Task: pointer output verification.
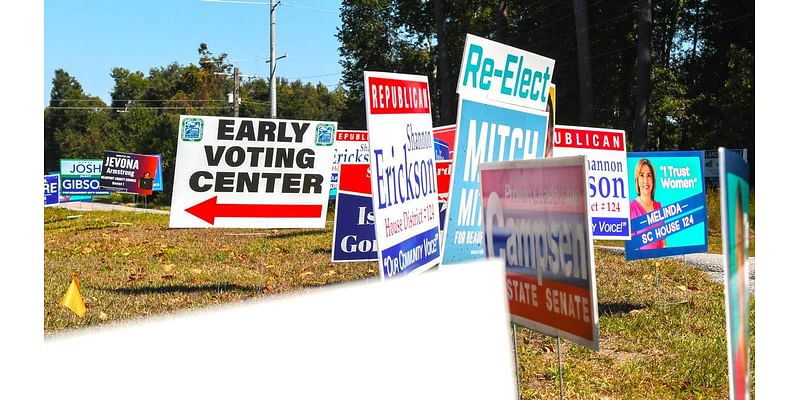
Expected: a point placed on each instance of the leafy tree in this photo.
(643, 62)
(70, 114)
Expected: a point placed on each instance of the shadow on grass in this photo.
(179, 289)
(63, 229)
(611, 309)
(321, 250)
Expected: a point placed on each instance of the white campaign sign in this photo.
(403, 172)
(606, 176)
(251, 173)
(498, 72)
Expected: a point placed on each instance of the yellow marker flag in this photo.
(72, 299)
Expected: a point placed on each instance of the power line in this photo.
(136, 108)
(308, 8)
(237, 2)
(315, 76)
(142, 101)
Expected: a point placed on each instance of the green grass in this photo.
(132, 266)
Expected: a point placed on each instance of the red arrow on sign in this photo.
(209, 210)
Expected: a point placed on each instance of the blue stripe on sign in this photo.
(690, 203)
(605, 226)
(410, 254)
(678, 224)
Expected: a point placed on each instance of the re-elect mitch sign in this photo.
(503, 94)
(81, 177)
(251, 173)
(486, 133)
(536, 219)
(668, 210)
(403, 172)
(606, 175)
(498, 72)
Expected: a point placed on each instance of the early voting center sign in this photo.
(668, 210)
(402, 172)
(734, 183)
(606, 175)
(536, 219)
(503, 93)
(251, 173)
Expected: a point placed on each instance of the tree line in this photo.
(674, 74)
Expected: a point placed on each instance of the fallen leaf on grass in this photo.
(127, 253)
(86, 250)
(103, 316)
(168, 267)
(307, 273)
(197, 271)
(682, 288)
(167, 276)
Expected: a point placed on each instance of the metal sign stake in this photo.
(560, 375)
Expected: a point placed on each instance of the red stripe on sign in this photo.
(210, 210)
(588, 139)
(444, 169)
(557, 305)
(351, 136)
(395, 96)
(354, 178)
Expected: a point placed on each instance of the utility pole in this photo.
(235, 97)
(273, 97)
(235, 91)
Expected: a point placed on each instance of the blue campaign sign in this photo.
(81, 177)
(157, 185)
(354, 221)
(668, 213)
(485, 133)
(50, 189)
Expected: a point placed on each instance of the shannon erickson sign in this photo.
(536, 218)
(251, 173)
(403, 172)
(606, 176)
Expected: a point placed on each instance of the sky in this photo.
(88, 38)
(35, 33)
